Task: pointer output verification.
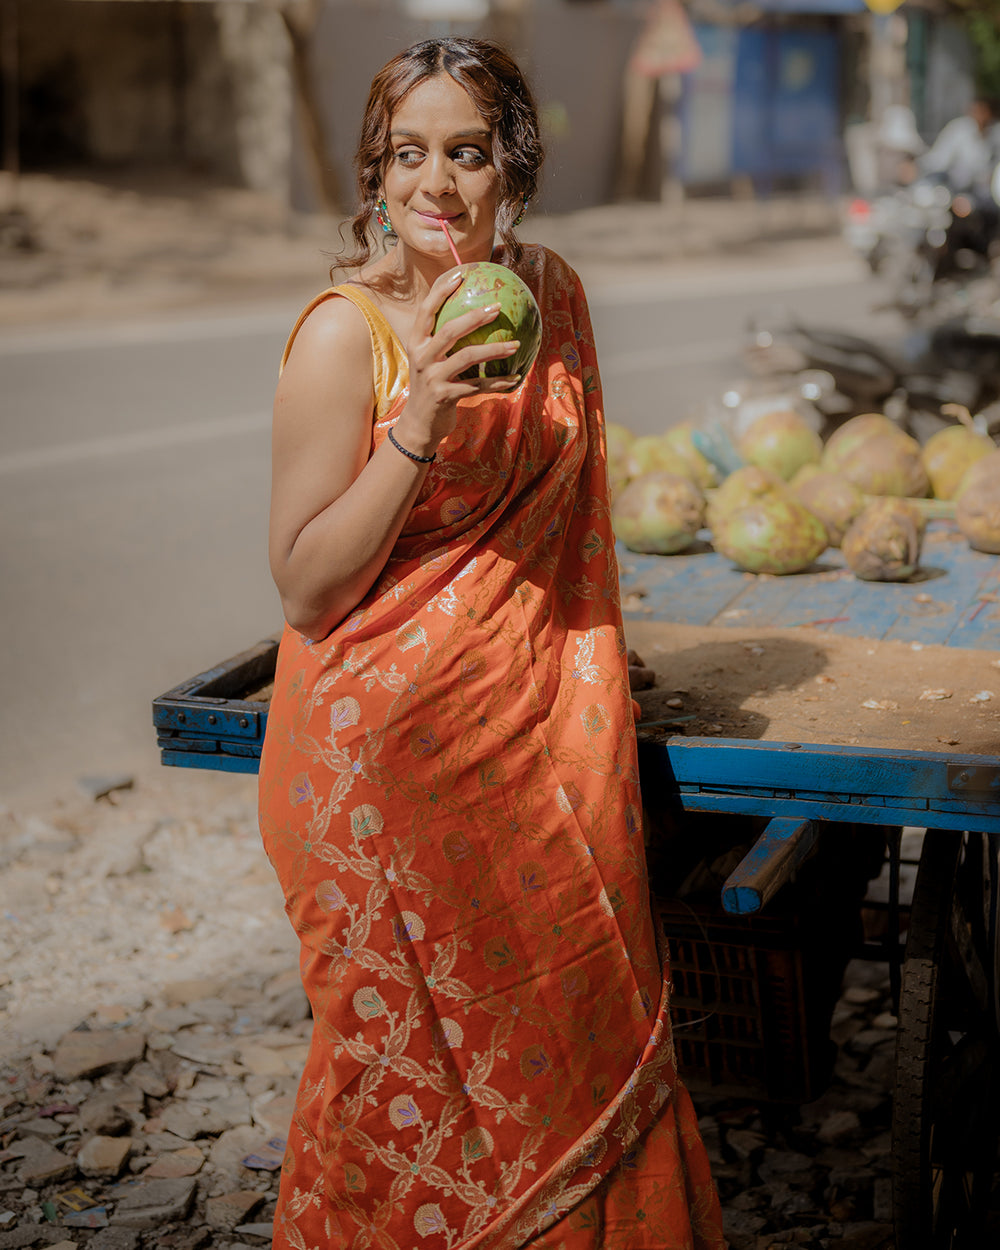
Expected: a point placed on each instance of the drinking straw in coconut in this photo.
(451, 243)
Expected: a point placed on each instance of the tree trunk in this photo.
(300, 23)
(11, 95)
(640, 113)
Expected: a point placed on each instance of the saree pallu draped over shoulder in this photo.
(449, 796)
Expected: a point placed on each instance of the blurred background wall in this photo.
(268, 94)
(155, 83)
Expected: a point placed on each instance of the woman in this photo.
(448, 789)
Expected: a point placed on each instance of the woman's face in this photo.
(440, 168)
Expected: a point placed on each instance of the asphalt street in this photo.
(134, 480)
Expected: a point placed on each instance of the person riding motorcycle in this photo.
(964, 157)
(966, 150)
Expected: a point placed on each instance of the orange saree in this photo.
(448, 794)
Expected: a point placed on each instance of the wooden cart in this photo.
(817, 705)
(821, 703)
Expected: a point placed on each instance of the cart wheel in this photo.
(991, 890)
(945, 1127)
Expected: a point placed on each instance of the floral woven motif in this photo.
(448, 794)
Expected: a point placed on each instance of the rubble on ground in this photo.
(150, 1105)
(166, 1127)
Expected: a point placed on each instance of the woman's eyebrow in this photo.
(461, 134)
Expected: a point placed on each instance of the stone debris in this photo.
(145, 1100)
(185, 1162)
(114, 1239)
(44, 1165)
(151, 1204)
(194, 1130)
(90, 1053)
(104, 1114)
(103, 1156)
(228, 1210)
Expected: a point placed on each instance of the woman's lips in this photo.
(434, 218)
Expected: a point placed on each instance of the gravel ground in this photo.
(153, 1027)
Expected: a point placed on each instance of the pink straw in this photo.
(454, 250)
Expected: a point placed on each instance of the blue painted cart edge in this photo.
(208, 722)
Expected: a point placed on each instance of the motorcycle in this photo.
(928, 243)
(919, 380)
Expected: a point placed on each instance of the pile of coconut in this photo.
(868, 490)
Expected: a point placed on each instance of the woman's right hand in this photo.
(435, 387)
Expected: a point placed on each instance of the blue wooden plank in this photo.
(765, 599)
(979, 624)
(874, 607)
(886, 775)
(241, 748)
(687, 589)
(820, 600)
(798, 809)
(705, 589)
(768, 865)
(979, 628)
(878, 609)
(237, 720)
(204, 746)
(955, 577)
(215, 763)
(970, 808)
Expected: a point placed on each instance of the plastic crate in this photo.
(746, 1022)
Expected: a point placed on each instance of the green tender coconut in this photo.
(619, 442)
(886, 464)
(771, 533)
(658, 513)
(782, 441)
(832, 498)
(949, 454)
(619, 439)
(649, 454)
(743, 486)
(679, 441)
(487, 283)
(985, 470)
(844, 440)
(977, 509)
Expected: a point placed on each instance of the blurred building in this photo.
(250, 92)
(770, 102)
(147, 84)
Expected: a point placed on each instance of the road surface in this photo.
(134, 480)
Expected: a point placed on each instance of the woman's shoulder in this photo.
(545, 267)
(536, 256)
(338, 310)
(329, 325)
(550, 276)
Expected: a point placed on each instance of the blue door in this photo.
(786, 112)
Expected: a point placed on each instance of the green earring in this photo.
(524, 208)
(382, 216)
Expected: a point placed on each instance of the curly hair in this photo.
(500, 93)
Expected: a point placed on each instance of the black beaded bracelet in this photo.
(412, 454)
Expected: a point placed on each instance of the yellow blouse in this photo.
(390, 368)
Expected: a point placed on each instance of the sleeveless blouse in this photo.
(390, 368)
